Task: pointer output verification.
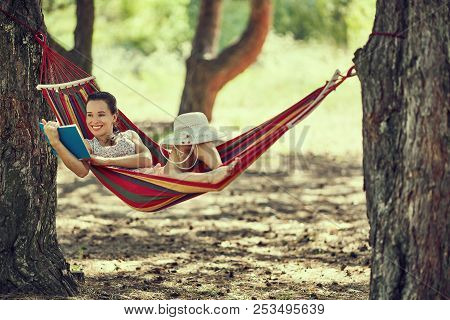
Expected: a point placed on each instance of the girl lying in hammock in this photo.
(191, 140)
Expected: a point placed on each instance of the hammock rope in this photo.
(387, 34)
(65, 87)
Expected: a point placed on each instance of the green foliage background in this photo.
(140, 47)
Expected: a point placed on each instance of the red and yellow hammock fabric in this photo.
(66, 87)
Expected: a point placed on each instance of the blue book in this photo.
(72, 139)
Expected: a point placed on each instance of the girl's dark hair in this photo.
(110, 101)
(104, 96)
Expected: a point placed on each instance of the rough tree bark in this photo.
(81, 53)
(30, 258)
(406, 108)
(207, 73)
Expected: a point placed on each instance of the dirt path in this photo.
(272, 234)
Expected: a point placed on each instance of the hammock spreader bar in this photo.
(66, 87)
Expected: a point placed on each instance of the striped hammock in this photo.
(66, 88)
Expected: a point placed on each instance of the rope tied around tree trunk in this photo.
(387, 34)
(37, 33)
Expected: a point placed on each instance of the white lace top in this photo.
(124, 146)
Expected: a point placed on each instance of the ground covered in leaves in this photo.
(293, 228)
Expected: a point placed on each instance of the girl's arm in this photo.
(141, 159)
(80, 168)
(208, 153)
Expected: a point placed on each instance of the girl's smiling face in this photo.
(99, 118)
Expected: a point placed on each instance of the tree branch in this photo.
(236, 58)
(81, 53)
(84, 31)
(207, 31)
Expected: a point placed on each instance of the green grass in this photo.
(149, 88)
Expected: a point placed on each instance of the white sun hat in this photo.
(192, 128)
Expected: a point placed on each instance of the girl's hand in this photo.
(51, 130)
(99, 161)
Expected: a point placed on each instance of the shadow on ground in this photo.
(296, 231)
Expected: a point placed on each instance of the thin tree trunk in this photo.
(206, 73)
(81, 53)
(406, 108)
(30, 258)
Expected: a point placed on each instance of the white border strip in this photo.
(129, 309)
(64, 85)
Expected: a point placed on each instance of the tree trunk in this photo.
(406, 96)
(30, 258)
(207, 74)
(81, 53)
